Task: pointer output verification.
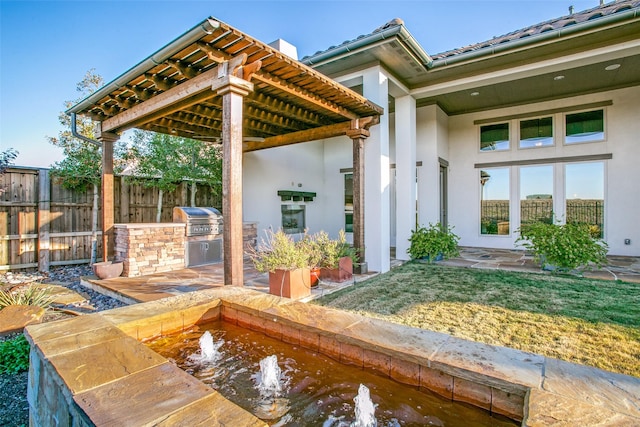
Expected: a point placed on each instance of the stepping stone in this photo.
(62, 295)
(14, 318)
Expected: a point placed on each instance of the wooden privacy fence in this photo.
(42, 223)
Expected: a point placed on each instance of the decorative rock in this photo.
(14, 318)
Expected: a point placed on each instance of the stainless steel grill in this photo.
(204, 234)
(201, 221)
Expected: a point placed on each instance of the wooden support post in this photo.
(233, 90)
(44, 206)
(358, 136)
(108, 215)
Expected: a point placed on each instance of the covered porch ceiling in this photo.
(170, 92)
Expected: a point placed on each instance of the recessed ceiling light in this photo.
(474, 93)
(558, 77)
(612, 67)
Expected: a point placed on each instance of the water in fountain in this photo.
(365, 409)
(209, 349)
(270, 405)
(269, 380)
(315, 391)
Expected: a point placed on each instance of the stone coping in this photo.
(151, 225)
(124, 376)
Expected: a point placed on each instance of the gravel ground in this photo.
(14, 408)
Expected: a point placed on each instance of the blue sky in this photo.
(47, 46)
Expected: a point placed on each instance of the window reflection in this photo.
(584, 127)
(584, 189)
(536, 133)
(494, 201)
(536, 194)
(494, 137)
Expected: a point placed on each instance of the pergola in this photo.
(215, 83)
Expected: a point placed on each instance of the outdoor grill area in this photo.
(149, 248)
(203, 234)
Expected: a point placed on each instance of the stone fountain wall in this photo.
(94, 370)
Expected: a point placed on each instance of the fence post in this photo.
(44, 205)
(124, 200)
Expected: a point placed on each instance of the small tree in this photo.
(164, 161)
(6, 159)
(81, 168)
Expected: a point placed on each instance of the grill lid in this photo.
(188, 214)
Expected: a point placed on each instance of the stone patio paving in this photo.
(161, 285)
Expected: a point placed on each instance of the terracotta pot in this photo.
(342, 273)
(292, 284)
(108, 269)
(315, 276)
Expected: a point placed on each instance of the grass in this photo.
(591, 322)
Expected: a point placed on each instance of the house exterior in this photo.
(539, 124)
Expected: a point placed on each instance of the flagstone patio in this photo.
(161, 285)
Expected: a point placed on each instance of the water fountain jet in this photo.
(365, 409)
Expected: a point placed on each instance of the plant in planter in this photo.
(337, 257)
(433, 243)
(310, 245)
(563, 247)
(287, 263)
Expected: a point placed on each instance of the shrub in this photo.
(433, 242)
(331, 250)
(14, 355)
(279, 252)
(30, 295)
(563, 246)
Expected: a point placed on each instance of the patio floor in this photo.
(155, 286)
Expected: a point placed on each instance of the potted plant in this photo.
(287, 263)
(433, 243)
(337, 257)
(309, 244)
(562, 247)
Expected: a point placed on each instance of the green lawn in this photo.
(592, 322)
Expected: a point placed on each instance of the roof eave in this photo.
(400, 32)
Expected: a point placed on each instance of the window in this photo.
(536, 132)
(584, 189)
(536, 194)
(494, 201)
(348, 203)
(293, 219)
(494, 137)
(586, 126)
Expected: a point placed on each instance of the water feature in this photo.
(365, 409)
(208, 348)
(314, 390)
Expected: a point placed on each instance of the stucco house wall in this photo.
(622, 197)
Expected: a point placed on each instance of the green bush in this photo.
(565, 247)
(433, 242)
(14, 355)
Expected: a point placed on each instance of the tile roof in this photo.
(553, 24)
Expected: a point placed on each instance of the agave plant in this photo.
(29, 295)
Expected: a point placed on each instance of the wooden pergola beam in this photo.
(177, 98)
(304, 95)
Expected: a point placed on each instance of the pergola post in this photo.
(358, 136)
(108, 212)
(233, 90)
